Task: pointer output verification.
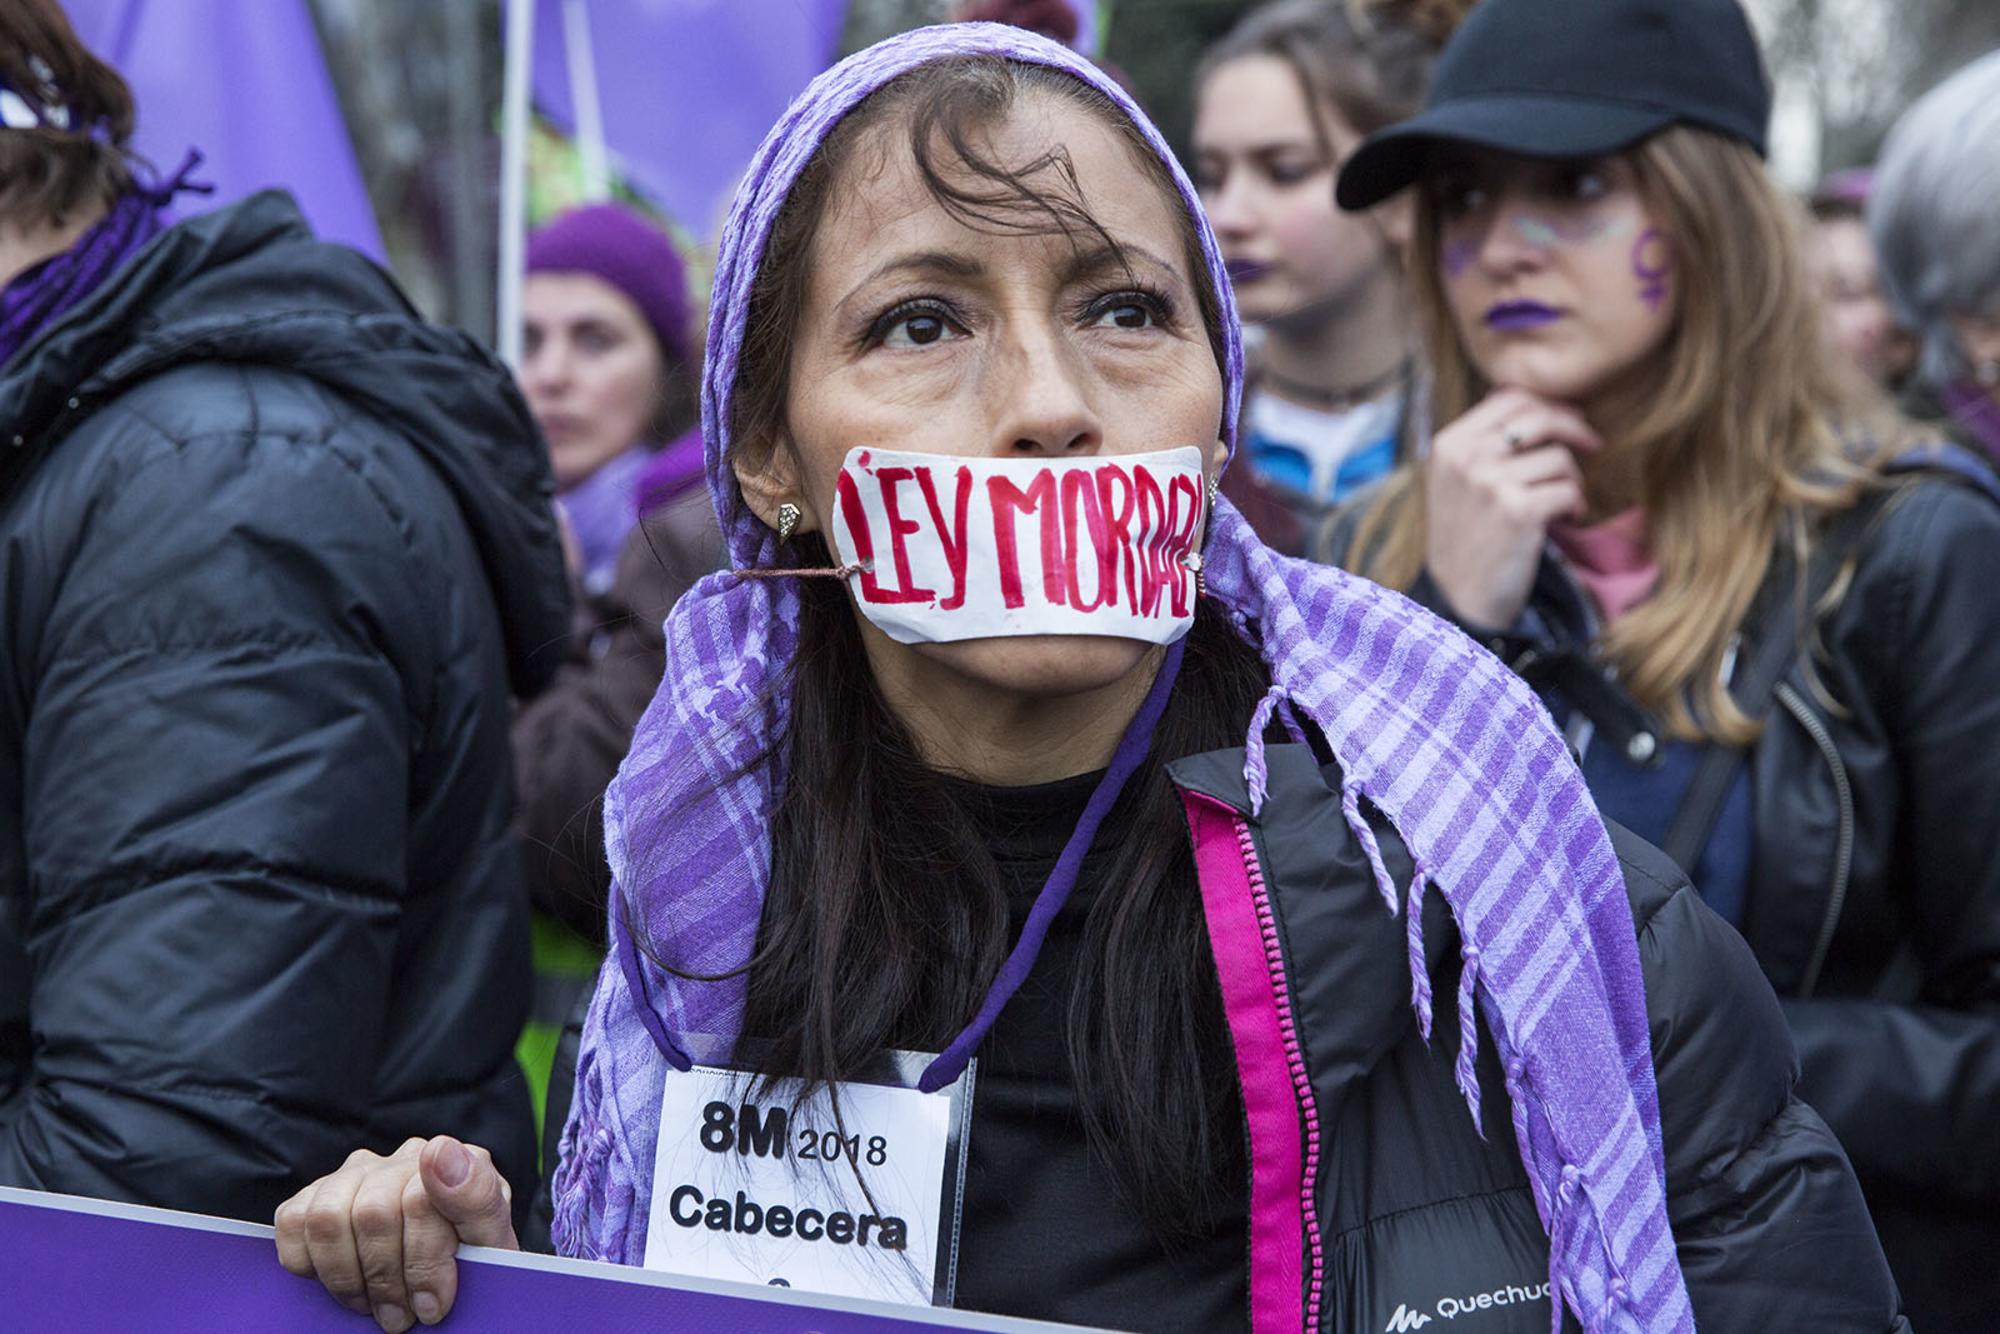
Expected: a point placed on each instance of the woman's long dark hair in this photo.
(886, 919)
(860, 948)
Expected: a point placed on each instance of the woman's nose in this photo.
(1045, 397)
(1228, 207)
(545, 370)
(1511, 235)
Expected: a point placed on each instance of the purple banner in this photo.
(75, 1266)
(246, 83)
(688, 87)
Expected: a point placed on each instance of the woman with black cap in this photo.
(1766, 622)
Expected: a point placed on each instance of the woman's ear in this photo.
(768, 475)
(1218, 454)
(1397, 221)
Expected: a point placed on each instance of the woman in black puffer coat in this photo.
(272, 553)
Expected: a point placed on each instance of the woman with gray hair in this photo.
(1938, 235)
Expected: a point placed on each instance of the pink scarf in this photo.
(1613, 560)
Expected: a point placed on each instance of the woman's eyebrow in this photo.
(1278, 147)
(951, 263)
(1082, 266)
(1109, 258)
(932, 263)
(1258, 147)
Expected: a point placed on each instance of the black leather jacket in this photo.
(1874, 895)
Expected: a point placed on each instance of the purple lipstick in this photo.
(1510, 316)
(1246, 270)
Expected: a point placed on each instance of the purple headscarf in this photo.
(1447, 744)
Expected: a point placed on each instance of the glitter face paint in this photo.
(1543, 232)
(1458, 256)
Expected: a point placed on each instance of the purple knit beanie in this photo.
(611, 242)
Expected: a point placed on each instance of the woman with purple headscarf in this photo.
(606, 368)
(605, 365)
(1006, 740)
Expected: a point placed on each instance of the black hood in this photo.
(250, 284)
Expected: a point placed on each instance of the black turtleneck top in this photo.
(1044, 1233)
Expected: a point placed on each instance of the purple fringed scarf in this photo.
(1450, 747)
(40, 296)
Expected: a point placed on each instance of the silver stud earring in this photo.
(788, 520)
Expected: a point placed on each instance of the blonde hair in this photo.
(1746, 440)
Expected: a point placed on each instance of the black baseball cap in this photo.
(1572, 79)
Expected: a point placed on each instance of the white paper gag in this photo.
(974, 548)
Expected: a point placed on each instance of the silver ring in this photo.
(1514, 440)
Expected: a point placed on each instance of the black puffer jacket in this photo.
(1874, 890)
(271, 552)
(1423, 1219)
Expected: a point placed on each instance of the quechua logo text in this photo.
(1405, 1318)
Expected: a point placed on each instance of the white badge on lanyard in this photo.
(752, 1185)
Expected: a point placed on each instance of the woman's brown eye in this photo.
(916, 330)
(1589, 185)
(1125, 315)
(1456, 199)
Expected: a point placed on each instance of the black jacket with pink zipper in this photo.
(1374, 1203)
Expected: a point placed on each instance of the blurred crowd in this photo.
(324, 634)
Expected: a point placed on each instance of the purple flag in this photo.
(688, 87)
(1088, 39)
(245, 82)
(76, 1266)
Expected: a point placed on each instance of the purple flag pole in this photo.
(77, 1266)
(246, 83)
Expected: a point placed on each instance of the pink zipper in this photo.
(1287, 1261)
(1295, 1062)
